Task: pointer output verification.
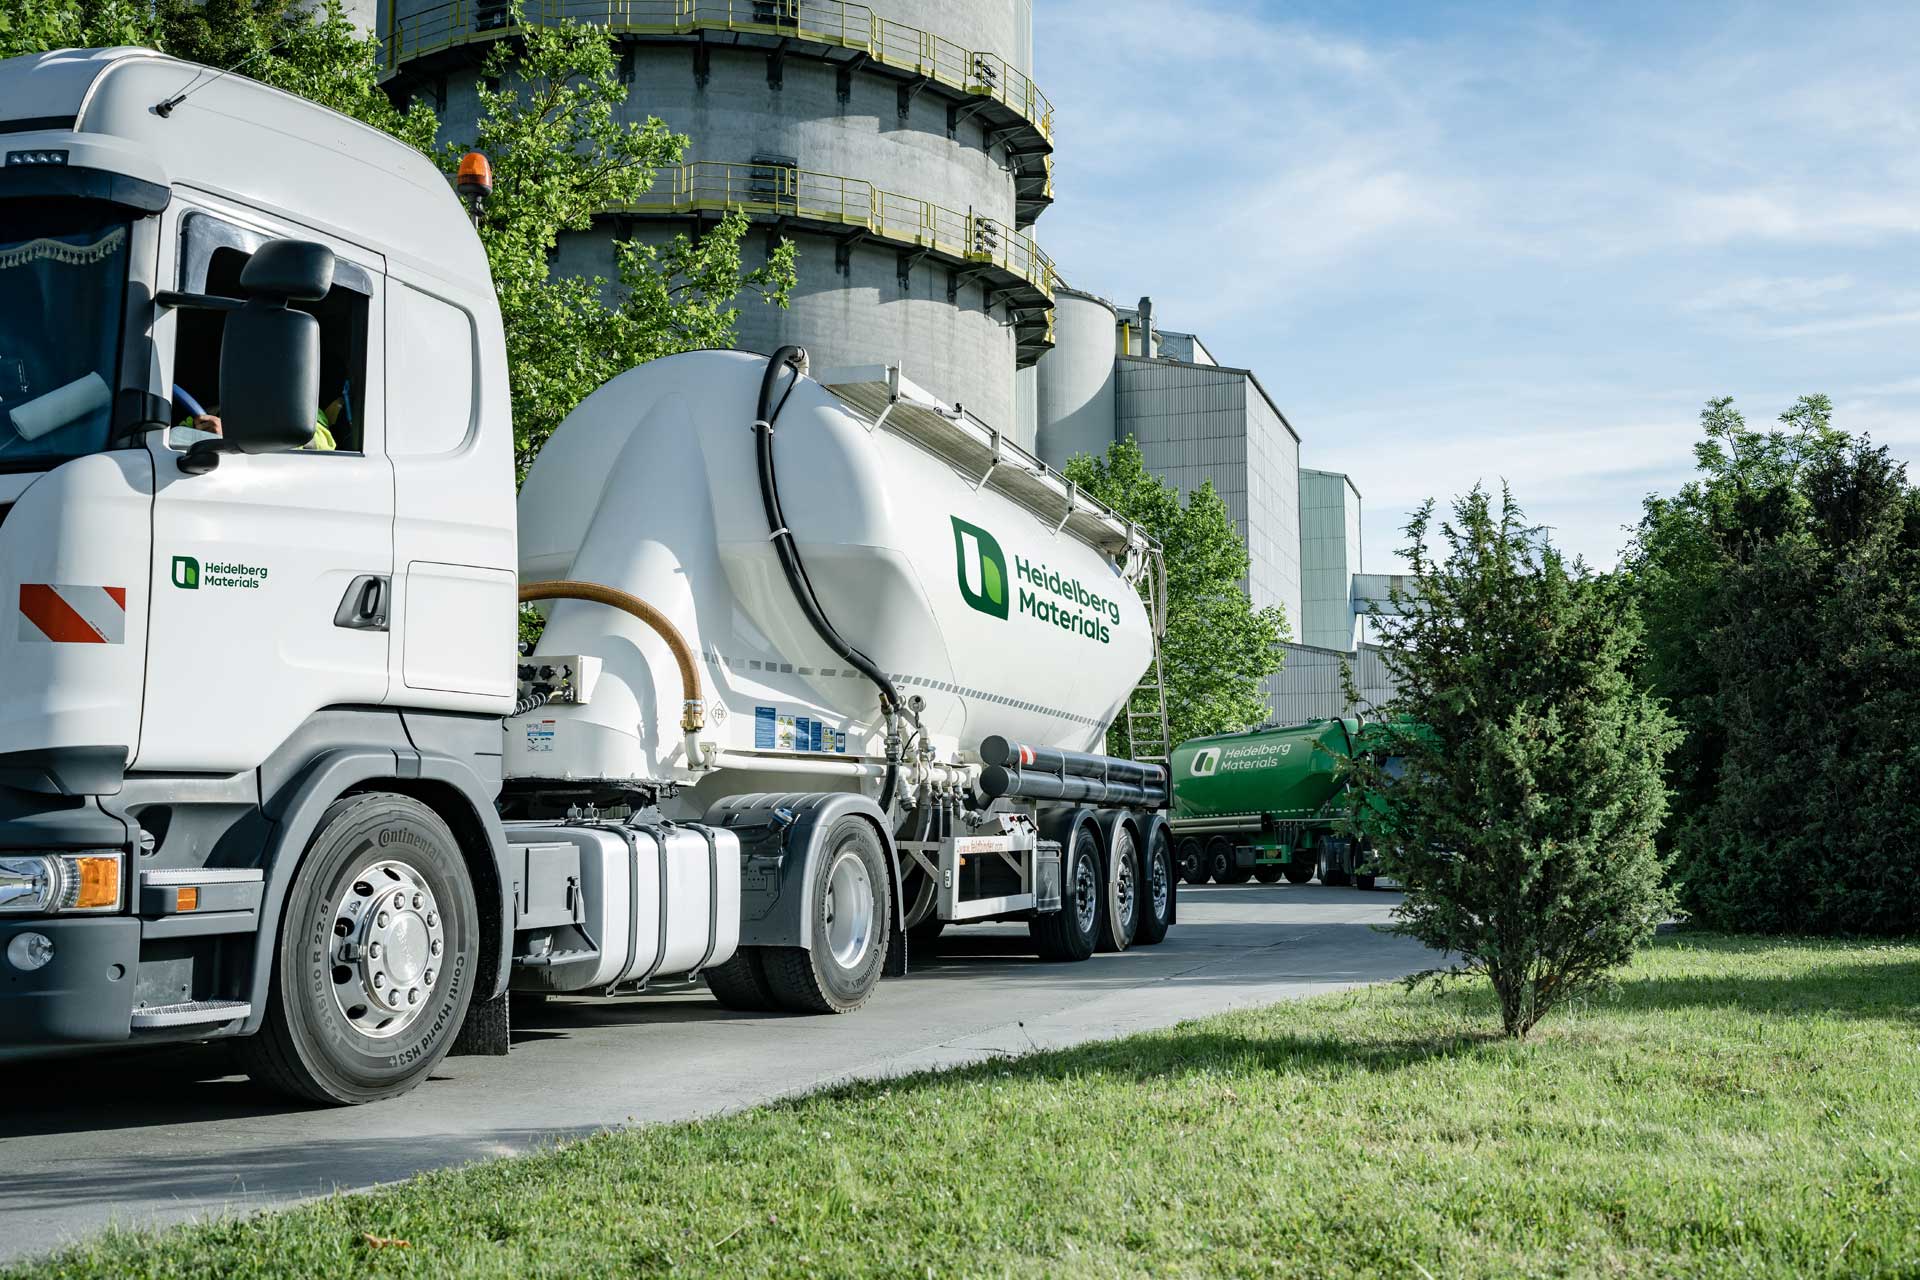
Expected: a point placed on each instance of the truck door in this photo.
(272, 573)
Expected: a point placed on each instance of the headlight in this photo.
(40, 883)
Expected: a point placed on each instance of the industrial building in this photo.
(905, 149)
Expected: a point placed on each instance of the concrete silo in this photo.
(904, 148)
(1074, 385)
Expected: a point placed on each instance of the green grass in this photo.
(1740, 1108)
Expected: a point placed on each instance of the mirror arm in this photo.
(203, 456)
(196, 301)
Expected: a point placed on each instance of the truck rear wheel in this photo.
(1298, 871)
(1193, 861)
(851, 927)
(741, 983)
(375, 963)
(1268, 873)
(1123, 891)
(1156, 891)
(1220, 862)
(1071, 932)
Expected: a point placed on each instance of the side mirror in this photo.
(270, 354)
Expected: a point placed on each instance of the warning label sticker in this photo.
(540, 735)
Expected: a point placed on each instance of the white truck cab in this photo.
(218, 636)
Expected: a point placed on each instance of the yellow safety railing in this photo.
(831, 22)
(851, 202)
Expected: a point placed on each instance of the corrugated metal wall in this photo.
(1307, 686)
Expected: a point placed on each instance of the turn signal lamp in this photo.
(98, 883)
(474, 179)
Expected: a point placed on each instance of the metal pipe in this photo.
(694, 707)
(998, 781)
(1080, 764)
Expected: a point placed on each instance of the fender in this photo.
(296, 808)
(773, 881)
(1063, 825)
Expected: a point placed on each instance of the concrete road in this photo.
(164, 1135)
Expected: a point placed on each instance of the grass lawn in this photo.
(1741, 1108)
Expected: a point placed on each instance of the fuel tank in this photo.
(979, 581)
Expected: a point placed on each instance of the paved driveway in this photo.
(168, 1134)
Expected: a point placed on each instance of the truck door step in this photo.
(190, 1013)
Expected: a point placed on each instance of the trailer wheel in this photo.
(1220, 862)
(1362, 881)
(1268, 873)
(741, 983)
(376, 960)
(1071, 932)
(851, 927)
(1156, 891)
(1298, 871)
(1193, 861)
(1124, 885)
(1333, 872)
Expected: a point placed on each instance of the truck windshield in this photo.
(63, 283)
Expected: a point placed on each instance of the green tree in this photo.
(562, 155)
(1522, 824)
(1782, 589)
(1218, 648)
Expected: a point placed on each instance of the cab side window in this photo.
(343, 315)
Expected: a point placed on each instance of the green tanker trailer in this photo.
(1267, 803)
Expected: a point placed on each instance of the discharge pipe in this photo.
(997, 750)
(1031, 784)
(693, 714)
(795, 358)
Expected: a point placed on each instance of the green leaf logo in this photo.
(186, 573)
(981, 568)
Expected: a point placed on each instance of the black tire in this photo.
(1221, 862)
(741, 983)
(312, 1044)
(1193, 861)
(1362, 881)
(1071, 932)
(1158, 884)
(1330, 875)
(1268, 873)
(1298, 871)
(818, 979)
(1123, 891)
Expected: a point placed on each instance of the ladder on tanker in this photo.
(1148, 738)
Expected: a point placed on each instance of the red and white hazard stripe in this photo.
(58, 613)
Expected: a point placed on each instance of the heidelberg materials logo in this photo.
(982, 567)
(1205, 762)
(186, 573)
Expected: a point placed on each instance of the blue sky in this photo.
(1467, 242)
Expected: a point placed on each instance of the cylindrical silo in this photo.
(902, 147)
(1074, 381)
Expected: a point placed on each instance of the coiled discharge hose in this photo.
(795, 359)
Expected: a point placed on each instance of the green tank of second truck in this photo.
(1266, 803)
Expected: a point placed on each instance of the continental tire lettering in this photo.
(420, 1047)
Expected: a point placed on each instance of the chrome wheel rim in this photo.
(389, 941)
(849, 909)
(1125, 884)
(1159, 883)
(1086, 893)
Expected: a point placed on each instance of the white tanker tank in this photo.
(1010, 607)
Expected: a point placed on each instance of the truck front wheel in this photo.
(851, 927)
(1072, 932)
(377, 956)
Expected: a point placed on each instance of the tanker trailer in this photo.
(1267, 803)
(854, 629)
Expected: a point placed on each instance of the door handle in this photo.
(364, 606)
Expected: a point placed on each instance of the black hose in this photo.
(532, 702)
(794, 358)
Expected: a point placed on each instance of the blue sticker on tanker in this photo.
(802, 733)
(763, 728)
(540, 735)
(813, 741)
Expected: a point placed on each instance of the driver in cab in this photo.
(201, 424)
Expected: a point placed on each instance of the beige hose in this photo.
(695, 714)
